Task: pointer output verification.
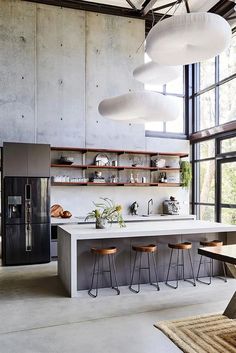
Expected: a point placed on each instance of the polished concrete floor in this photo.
(37, 317)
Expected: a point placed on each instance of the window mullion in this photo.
(217, 96)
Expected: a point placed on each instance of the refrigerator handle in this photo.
(27, 191)
(28, 229)
(28, 237)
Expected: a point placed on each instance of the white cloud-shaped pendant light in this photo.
(153, 73)
(189, 38)
(139, 107)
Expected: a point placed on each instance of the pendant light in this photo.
(155, 74)
(141, 106)
(188, 38)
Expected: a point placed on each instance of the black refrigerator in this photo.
(26, 220)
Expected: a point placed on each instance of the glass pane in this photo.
(176, 86)
(228, 145)
(228, 60)
(227, 103)
(228, 183)
(206, 149)
(228, 215)
(157, 126)
(207, 213)
(207, 73)
(207, 110)
(177, 125)
(207, 181)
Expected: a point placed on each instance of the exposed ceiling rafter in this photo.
(166, 5)
(148, 7)
(92, 7)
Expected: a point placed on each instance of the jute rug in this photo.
(202, 334)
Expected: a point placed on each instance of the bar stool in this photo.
(99, 254)
(150, 250)
(210, 262)
(186, 246)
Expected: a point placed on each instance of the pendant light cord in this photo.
(176, 5)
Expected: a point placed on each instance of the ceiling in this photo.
(164, 5)
(146, 9)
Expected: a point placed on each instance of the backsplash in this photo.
(79, 200)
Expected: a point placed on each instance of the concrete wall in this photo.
(56, 65)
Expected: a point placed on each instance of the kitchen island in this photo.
(75, 240)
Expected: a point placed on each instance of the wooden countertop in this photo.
(225, 253)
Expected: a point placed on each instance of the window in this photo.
(207, 73)
(215, 86)
(227, 195)
(207, 110)
(227, 60)
(227, 103)
(214, 191)
(204, 167)
(228, 145)
(174, 89)
(214, 160)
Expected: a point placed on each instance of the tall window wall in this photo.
(176, 90)
(214, 159)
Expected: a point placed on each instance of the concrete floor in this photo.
(36, 316)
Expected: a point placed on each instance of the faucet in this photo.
(150, 203)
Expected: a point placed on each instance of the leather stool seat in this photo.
(180, 246)
(145, 248)
(104, 251)
(211, 243)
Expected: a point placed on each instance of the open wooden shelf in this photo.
(91, 166)
(114, 184)
(79, 166)
(144, 167)
(102, 150)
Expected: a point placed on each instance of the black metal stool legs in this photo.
(116, 288)
(191, 264)
(143, 268)
(211, 272)
(97, 272)
(156, 273)
(96, 259)
(177, 269)
(177, 265)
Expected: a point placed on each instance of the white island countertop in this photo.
(141, 229)
(75, 240)
(127, 218)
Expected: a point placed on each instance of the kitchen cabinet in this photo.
(25, 159)
(14, 159)
(123, 166)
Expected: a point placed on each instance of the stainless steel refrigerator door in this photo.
(21, 250)
(15, 240)
(14, 200)
(39, 200)
(40, 251)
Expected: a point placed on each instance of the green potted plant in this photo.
(104, 212)
(186, 173)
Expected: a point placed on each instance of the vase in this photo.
(101, 223)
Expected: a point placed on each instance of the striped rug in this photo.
(202, 334)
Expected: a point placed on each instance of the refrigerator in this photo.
(26, 220)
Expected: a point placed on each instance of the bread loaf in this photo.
(65, 214)
(56, 210)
